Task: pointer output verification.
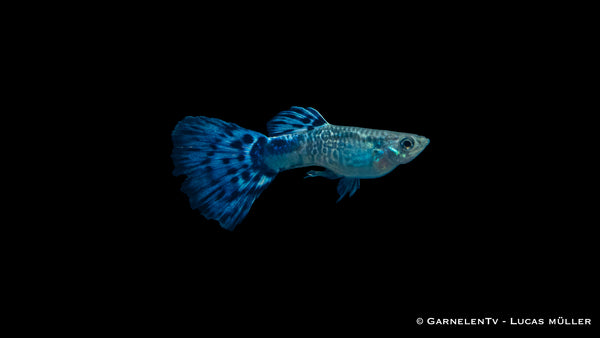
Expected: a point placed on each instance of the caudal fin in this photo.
(224, 167)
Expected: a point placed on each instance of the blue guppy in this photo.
(228, 167)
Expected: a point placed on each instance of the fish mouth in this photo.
(424, 141)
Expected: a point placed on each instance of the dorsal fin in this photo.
(295, 120)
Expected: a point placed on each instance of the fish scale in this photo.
(345, 150)
(228, 166)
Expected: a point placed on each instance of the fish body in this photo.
(346, 151)
(227, 166)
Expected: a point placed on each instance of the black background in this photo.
(492, 218)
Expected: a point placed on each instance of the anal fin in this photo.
(347, 185)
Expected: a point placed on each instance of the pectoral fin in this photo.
(347, 185)
(378, 154)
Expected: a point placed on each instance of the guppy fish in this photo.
(228, 167)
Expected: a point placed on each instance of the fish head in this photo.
(398, 148)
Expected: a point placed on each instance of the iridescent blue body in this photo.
(229, 166)
(346, 151)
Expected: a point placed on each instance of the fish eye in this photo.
(406, 143)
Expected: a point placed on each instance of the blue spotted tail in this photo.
(224, 167)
